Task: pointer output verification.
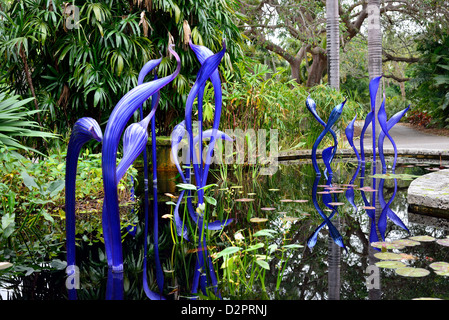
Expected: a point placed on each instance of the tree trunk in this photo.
(316, 70)
(333, 43)
(29, 80)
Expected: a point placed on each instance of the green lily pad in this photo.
(388, 256)
(407, 242)
(387, 245)
(412, 272)
(441, 268)
(423, 238)
(443, 242)
(390, 264)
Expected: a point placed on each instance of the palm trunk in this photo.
(375, 70)
(333, 43)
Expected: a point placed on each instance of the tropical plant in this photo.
(430, 84)
(85, 67)
(16, 124)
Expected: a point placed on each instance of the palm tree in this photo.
(375, 70)
(333, 68)
(333, 43)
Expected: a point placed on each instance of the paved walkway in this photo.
(406, 137)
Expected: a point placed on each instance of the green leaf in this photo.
(265, 233)
(29, 181)
(263, 264)
(255, 247)
(211, 200)
(228, 251)
(412, 272)
(186, 186)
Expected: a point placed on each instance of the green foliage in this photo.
(254, 98)
(430, 89)
(84, 71)
(16, 124)
(32, 204)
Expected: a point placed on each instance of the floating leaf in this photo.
(388, 256)
(407, 242)
(300, 201)
(390, 264)
(267, 209)
(244, 200)
(441, 268)
(387, 245)
(285, 200)
(336, 203)
(258, 220)
(274, 189)
(443, 242)
(423, 238)
(289, 219)
(412, 272)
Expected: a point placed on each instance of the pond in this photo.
(268, 256)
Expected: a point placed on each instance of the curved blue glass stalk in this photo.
(311, 106)
(349, 131)
(85, 129)
(373, 237)
(334, 116)
(368, 120)
(209, 64)
(386, 126)
(334, 233)
(387, 212)
(121, 114)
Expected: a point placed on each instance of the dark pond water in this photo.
(281, 203)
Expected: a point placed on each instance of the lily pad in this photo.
(336, 203)
(388, 256)
(267, 209)
(390, 264)
(244, 199)
(258, 220)
(286, 218)
(300, 201)
(286, 200)
(412, 272)
(406, 242)
(423, 238)
(443, 242)
(441, 268)
(387, 245)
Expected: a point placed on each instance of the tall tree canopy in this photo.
(295, 29)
